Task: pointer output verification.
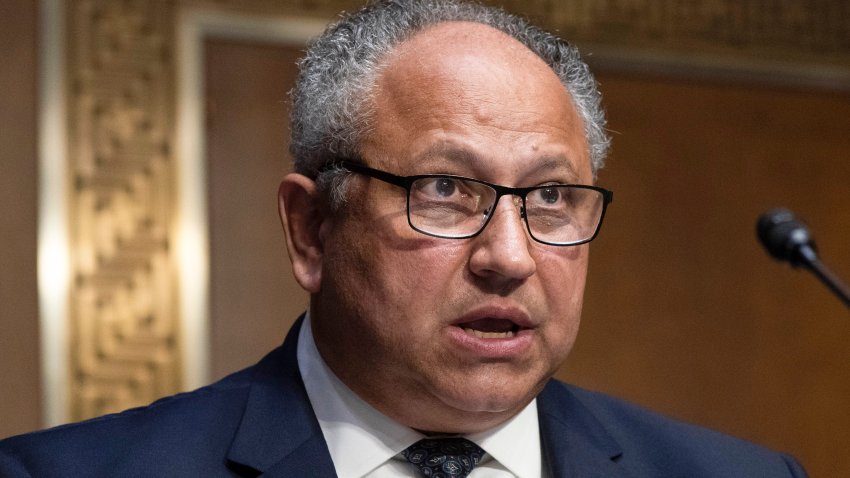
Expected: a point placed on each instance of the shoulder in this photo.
(171, 431)
(657, 445)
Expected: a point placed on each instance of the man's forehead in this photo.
(444, 42)
(482, 91)
(469, 62)
(447, 156)
(457, 31)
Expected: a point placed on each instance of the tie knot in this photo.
(444, 457)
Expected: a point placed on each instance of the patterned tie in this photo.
(444, 457)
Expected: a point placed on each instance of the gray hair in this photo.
(332, 102)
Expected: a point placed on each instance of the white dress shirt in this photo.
(365, 443)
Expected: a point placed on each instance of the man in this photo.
(439, 216)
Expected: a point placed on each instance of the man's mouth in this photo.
(490, 328)
(494, 332)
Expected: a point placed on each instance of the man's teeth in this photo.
(489, 335)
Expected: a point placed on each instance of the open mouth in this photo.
(491, 328)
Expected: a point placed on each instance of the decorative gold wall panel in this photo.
(811, 31)
(124, 327)
(802, 31)
(125, 343)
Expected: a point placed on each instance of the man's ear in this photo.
(302, 214)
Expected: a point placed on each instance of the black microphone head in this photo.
(784, 237)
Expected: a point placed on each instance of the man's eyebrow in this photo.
(450, 154)
(559, 165)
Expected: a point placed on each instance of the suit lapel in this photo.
(574, 441)
(279, 434)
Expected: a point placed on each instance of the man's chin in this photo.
(478, 409)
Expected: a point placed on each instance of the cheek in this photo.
(421, 282)
(408, 275)
(563, 271)
(562, 274)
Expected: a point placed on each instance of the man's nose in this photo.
(501, 250)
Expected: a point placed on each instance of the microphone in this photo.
(788, 239)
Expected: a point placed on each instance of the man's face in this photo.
(445, 334)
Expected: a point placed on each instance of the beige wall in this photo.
(253, 298)
(684, 311)
(19, 354)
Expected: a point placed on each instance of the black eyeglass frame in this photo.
(407, 181)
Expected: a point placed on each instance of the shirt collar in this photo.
(516, 443)
(360, 438)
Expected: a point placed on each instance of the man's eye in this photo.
(549, 195)
(445, 187)
(439, 188)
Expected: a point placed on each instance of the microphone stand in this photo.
(809, 259)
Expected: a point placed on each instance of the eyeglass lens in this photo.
(454, 207)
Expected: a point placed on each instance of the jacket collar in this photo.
(574, 440)
(279, 434)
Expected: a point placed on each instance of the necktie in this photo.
(444, 457)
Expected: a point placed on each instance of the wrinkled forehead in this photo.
(473, 80)
(466, 49)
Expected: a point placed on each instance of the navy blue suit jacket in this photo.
(260, 422)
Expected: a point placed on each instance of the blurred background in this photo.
(141, 144)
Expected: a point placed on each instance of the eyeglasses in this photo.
(455, 207)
